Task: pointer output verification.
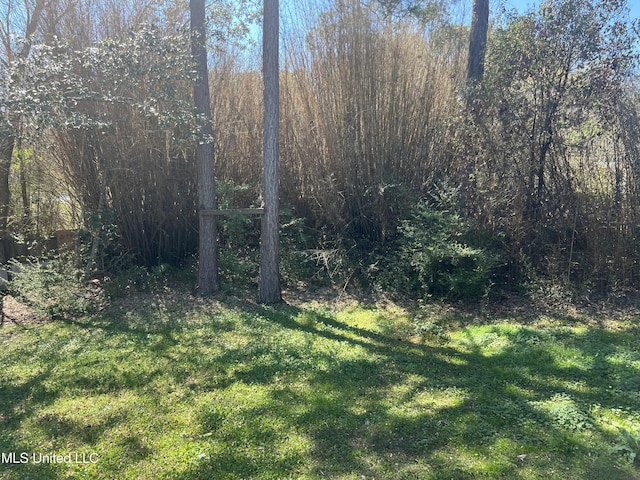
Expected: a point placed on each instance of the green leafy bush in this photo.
(439, 257)
(100, 243)
(310, 257)
(54, 286)
(237, 232)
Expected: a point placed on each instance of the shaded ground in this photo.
(167, 385)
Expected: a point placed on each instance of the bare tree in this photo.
(10, 128)
(269, 290)
(478, 41)
(208, 282)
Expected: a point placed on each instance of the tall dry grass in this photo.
(367, 109)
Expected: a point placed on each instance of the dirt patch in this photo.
(16, 312)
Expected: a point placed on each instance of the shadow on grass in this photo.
(457, 414)
(67, 363)
(327, 399)
(20, 399)
(25, 399)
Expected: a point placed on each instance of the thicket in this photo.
(376, 121)
(54, 287)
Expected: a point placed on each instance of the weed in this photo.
(430, 331)
(566, 414)
(629, 445)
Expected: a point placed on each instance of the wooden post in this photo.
(269, 283)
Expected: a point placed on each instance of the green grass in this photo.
(170, 387)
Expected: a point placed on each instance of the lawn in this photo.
(165, 386)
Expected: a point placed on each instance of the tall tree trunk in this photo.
(269, 289)
(208, 282)
(478, 41)
(6, 152)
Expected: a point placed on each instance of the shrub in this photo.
(54, 286)
(298, 260)
(439, 258)
(101, 243)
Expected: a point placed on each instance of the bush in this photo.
(54, 286)
(439, 258)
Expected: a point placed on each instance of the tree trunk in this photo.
(6, 152)
(269, 290)
(208, 251)
(478, 41)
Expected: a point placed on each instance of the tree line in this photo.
(407, 161)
